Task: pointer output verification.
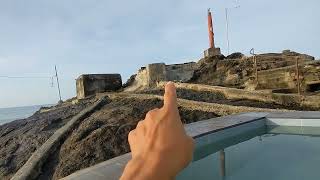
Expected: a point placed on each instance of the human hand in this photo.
(159, 145)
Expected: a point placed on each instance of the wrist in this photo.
(145, 168)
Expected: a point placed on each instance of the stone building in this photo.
(149, 76)
(90, 84)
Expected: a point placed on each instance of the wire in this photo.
(26, 77)
(31, 77)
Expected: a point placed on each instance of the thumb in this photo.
(170, 96)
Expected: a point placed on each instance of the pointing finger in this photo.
(170, 96)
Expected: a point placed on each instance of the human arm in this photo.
(159, 145)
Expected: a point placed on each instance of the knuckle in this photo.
(140, 124)
(131, 135)
(151, 113)
(140, 129)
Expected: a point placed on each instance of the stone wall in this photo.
(90, 84)
(277, 79)
(180, 72)
(149, 76)
(155, 72)
(139, 81)
(285, 78)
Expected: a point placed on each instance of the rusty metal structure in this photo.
(298, 76)
(210, 29)
(255, 63)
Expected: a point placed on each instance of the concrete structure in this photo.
(172, 72)
(212, 51)
(90, 84)
(285, 79)
(149, 76)
(180, 72)
(155, 73)
(211, 130)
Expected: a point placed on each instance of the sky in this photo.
(119, 36)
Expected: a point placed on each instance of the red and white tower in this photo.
(212, 51)
(210, 30)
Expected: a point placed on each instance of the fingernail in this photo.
(170, 83)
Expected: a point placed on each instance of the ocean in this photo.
(10, 114)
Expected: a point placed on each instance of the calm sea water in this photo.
(10, 114)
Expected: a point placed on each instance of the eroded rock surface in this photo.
(103, 135)
(20, 138)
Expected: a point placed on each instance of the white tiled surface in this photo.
(293, 122)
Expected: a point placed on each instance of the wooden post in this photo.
(256, 68)
(255, 65)
(298, 76)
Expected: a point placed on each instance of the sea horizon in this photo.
(9, 114)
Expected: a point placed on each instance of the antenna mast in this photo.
(55, 68)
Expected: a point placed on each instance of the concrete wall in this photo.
(180, 72)
(212, 52)
(140, 81)
(285, 78)
(154, 73)
(90, 84)
(277, 79)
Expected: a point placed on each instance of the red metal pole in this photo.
(210, 29)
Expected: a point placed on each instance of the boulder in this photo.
(236, 55)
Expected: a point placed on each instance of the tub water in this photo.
(266, 153)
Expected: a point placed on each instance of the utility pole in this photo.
(57, 78)
(227, 24)
(227, 28)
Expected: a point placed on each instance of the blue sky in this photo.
(95, 36)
